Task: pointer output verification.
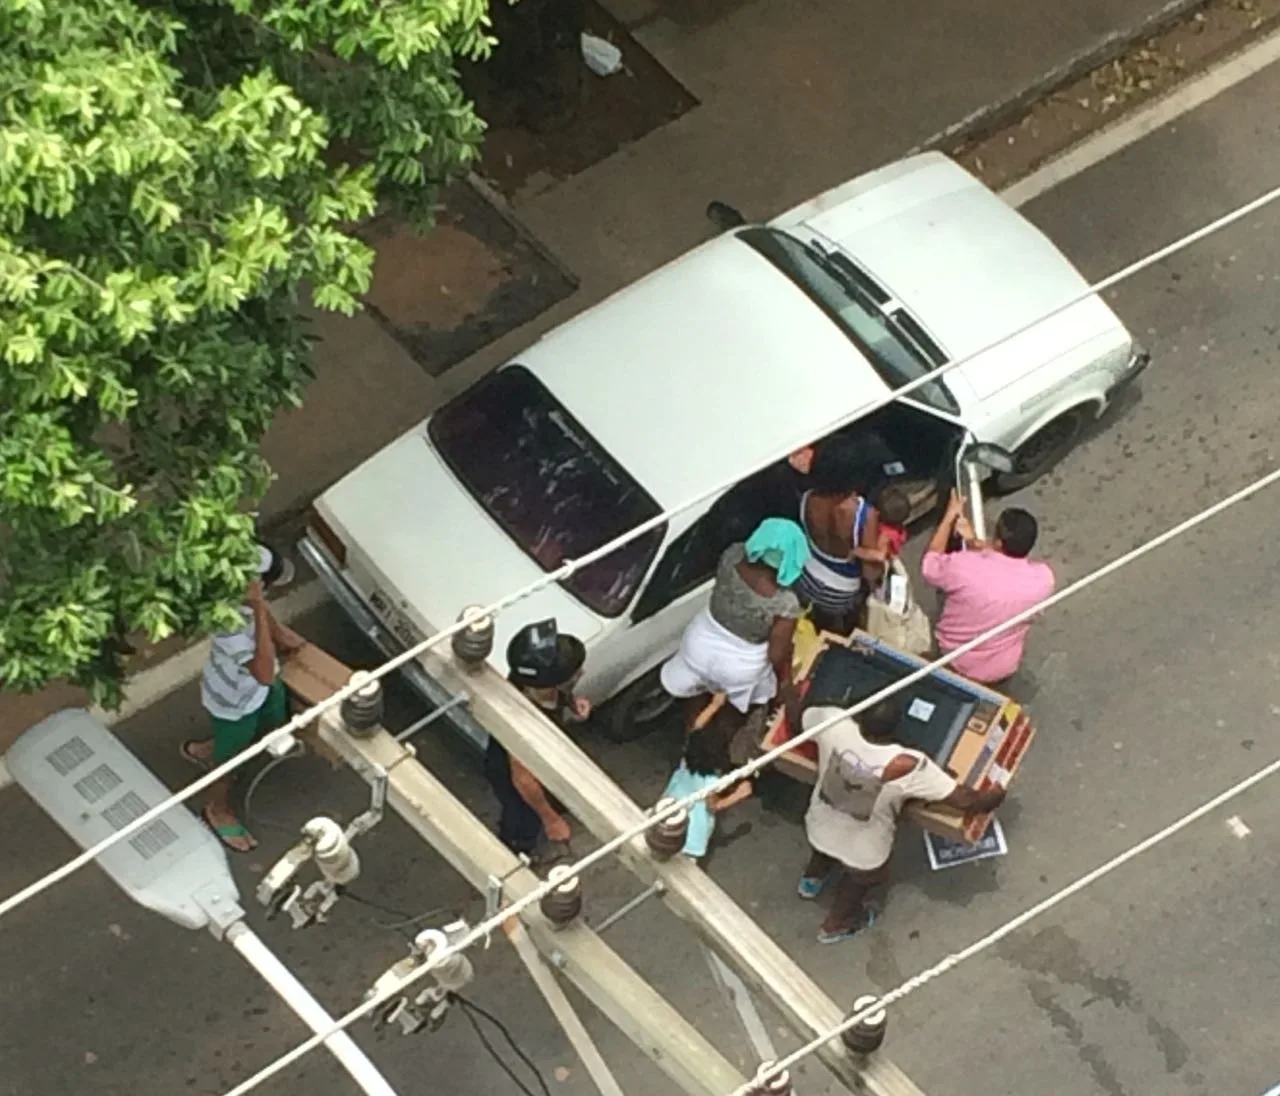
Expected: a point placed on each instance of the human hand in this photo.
(582, 708)
(965, 528)
(255, 596)
(558, 830)
(955, 504)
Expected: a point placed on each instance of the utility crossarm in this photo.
(433, 812)
(606, 810)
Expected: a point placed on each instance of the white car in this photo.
(699, 375)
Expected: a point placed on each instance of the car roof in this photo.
(704, 370)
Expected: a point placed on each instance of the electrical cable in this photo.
(996, 935)
(567, 569)
(607, 848)
(470, 1010)
(256, 782)
(404, 920)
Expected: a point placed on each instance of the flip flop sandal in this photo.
(809, 888)
(825, 937)
(228, 832)
(190, 758)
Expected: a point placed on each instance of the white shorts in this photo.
(712, 659)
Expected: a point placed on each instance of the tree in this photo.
(173, 174)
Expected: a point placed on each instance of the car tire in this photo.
(638, 709)
(1042, 451)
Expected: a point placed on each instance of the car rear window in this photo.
(548, 483)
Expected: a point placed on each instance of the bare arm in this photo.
(973, 802)
(532, 792)
(876, 551)
(263, 664)
(942, 534)
(731, 798)
(285, 638)
(781, 641)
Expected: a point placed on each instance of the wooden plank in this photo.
(606, 810)
(431, 810)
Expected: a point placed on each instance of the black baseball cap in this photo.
(539, 657)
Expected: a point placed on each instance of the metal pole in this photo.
(309, 1010)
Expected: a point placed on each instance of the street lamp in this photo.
(88, 782)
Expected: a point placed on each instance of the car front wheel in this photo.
(1040, 452)
(636, 710)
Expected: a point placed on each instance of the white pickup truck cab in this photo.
(699, 375)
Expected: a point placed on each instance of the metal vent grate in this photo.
(98, 783)
(149, 841)
(71, 754)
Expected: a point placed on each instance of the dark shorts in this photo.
(230, 736)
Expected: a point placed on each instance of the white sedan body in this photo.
(697, 376)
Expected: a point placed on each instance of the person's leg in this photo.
(849, 912)
(816, 873)
(230, 736)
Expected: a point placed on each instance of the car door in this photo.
(680, 583)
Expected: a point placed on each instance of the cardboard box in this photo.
(311, 675)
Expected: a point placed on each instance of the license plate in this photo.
(399, 624)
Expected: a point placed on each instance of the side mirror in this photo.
(724, 216)
(991, 456)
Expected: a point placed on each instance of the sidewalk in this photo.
(795, 96)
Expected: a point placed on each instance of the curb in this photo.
(993, 116)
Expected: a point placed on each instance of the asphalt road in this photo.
(1152, 691)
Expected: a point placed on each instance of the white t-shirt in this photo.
(853, 814)
(228, 688)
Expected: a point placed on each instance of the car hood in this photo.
(972, 270)
(415, 532)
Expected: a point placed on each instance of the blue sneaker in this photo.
(809, 888)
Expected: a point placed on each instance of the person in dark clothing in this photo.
(542, 664)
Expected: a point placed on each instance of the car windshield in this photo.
(548, 483)
(847, 295)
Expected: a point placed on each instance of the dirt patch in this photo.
(1096, 100)
(611, 111)
(471, 279)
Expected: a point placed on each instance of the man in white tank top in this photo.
(864, 781)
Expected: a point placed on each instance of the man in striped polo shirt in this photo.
(243, 694)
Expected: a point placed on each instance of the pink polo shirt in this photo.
(984, 589)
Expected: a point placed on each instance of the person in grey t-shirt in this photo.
(740, 645)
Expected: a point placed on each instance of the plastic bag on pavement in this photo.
(602, 57)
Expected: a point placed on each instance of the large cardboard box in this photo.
(311, 675)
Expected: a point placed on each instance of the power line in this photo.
(484, 928)
(995, 936)
(571, 566)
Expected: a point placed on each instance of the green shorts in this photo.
(230, 736)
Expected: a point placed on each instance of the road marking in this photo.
(740, 997)
(1236, 825)
(1134, 127)
(153, 684)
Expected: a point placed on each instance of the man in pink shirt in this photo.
(985, 585)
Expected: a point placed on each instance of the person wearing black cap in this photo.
(543, 664)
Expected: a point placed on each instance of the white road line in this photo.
(155, 683)
(1133, 127)
(740, 997)
(1237, 827)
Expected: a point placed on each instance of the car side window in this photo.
(691, 558)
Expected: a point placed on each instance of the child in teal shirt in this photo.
(706, 759)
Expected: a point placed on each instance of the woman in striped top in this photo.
(837, 518)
